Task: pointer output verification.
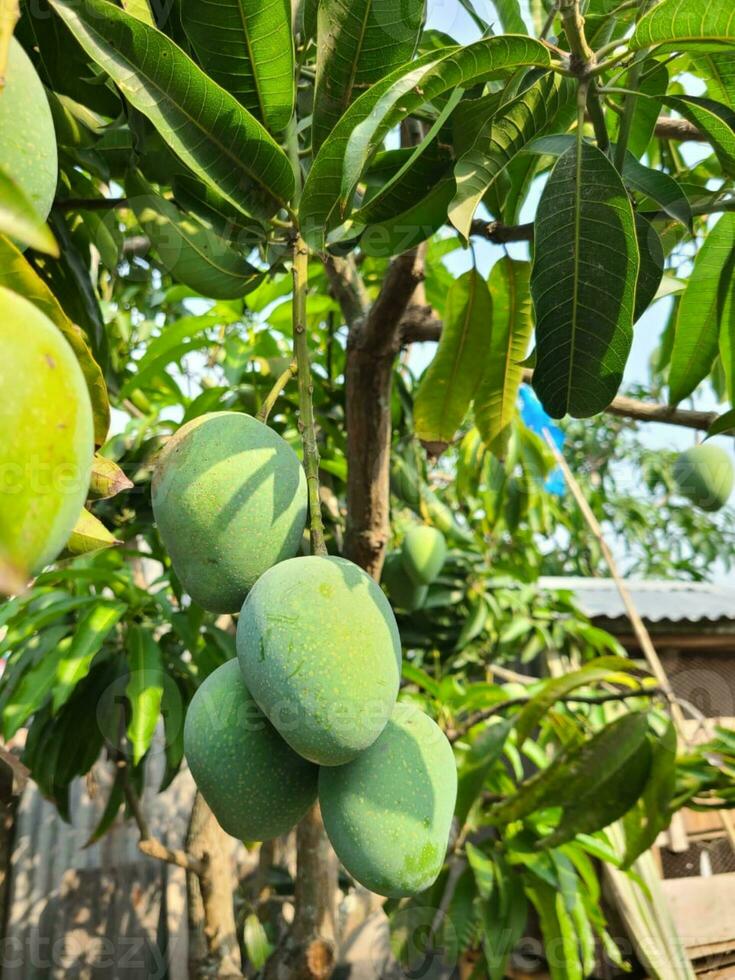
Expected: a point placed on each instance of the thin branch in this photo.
(150, 845)
(307, 425)
(347, 286)
(420, 324)
(480, 716)
(668, 128)
(379, 332)
(272, 396)
(582, 55)
(500, 234)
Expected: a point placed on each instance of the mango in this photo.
(704, 475)
(254, 784)
(424, 551)
(229, 497)
(46, 436)
(402, 591)
(28, 142)
(389, 812)
(319, 650)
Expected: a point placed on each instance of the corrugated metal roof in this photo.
(656, 600)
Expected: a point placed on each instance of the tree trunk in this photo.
(213, 947)
(308, 951)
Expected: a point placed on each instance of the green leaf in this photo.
(144, 689)
(190, 251)
(651, 815)
(499, 140)
(219, 140)
(652, 265)
(726, 313)
(505, 915)
(684, 22)
(716, 121)
(140, 9)
(213, 210)
(16, 273)
(653, 83)
(557, 930)
(583, 284)
(661, 188)
(512, 325)
(256, 942)
(246, 46)
(34, 688)
(700, 311)
(608, 776)
(723, 424)
(482, 756)
(578, 772)
(403, 231)
(342, 158)
(509, 12)
(611, 669)
(89, 534)
(18, 218)
(718, 71)
(358, 42)
(89, 635)
(450, 382)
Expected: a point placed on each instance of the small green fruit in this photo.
(424, 550)
(704, 475)
(321, 655)
(255, 785)
(403, 592)
(28, 142)
(229, 496)
(46, 436)
(389, 812)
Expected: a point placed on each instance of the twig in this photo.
(150, 845)
(307, 425)
(500, 234)
(272, 396)
(484, 714)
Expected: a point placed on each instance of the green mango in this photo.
(46, 436)
(704, 475)
(424, 550)
(320, 652)
(229, 497)
(254, 784)
(28, 142)
(389, 812)
(402, 591)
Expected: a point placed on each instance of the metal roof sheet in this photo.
(656, 600)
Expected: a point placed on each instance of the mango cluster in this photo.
(308, 710)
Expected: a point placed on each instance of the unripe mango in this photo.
(424, 550)
(389, 812)
(320, 652)
(704, 474)
(28, 142)
(46, 436)
(254, 784)
(402, 591)
(229, 496)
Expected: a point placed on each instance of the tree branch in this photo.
(90, 203)
(421, 324)
(347, 286)
(272, 397)
(500, 234)
(480, 716)
(373, 342)
(668, 128)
